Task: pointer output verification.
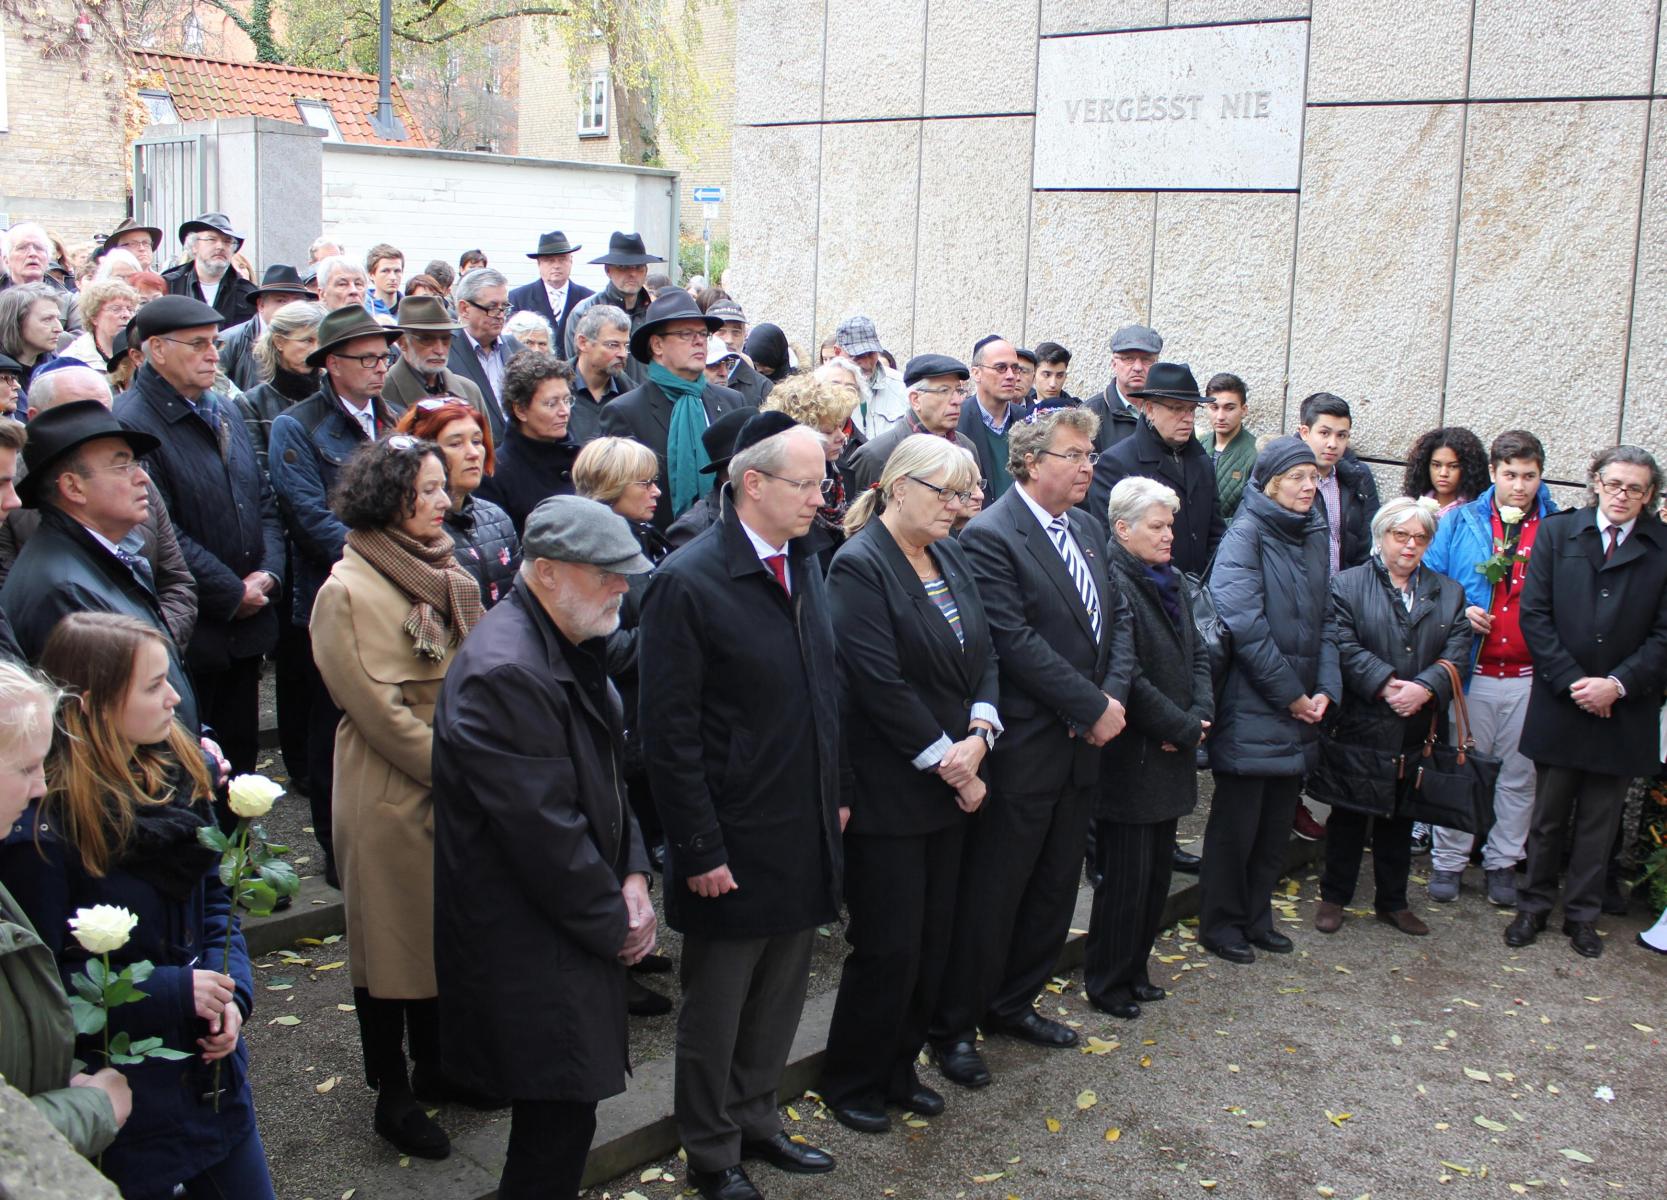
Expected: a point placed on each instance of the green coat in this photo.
(1233, 465)
(37, 1037)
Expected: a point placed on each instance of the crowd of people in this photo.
(570, 596)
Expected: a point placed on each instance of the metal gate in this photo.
(170, 185)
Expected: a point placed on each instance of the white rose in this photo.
(252, 795)
(1429, 504)
(1510, 514)
(102, 928)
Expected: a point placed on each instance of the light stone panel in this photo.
(1093, 16)
(1221, 281)
(1543, 278)
(1568, 48)
(772, 257)
(970, 261)
(1367, 50)
(980, 57)
(1201, 12)
(1090, 273)
(867, 230)
(1644, 419)
(876, 58)
(1374, 266)
(780, 43)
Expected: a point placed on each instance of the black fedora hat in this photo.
(554, 242)
(673, 304)
(281, 279)
(60, 430)
(626, 250)
(345, 325)
(10, 366)
(211, 222)
(719, 438)
(1170, 381)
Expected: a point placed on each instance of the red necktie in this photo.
(1614, 532)
(778, 567)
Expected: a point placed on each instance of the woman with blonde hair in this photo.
(105, 310)
(280, 356)
(826, 407)
(127, 791)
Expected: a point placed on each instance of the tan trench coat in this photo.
(383, 808)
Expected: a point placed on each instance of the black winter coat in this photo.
(1141, 783)
(531, 846)
(1359, 493)
(224, 513)
(644, 413)
(525, 473)
(234, 298)
(904, 679)
(1582, 616)
(740, 728)
(752, 386)
(1117, 421)
(260, 405)
(1189, 471)
(485, 545)
(697, 520)
(1269, 585)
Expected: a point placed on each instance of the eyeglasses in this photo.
(401, 442)
(366, 361)
(1075, 457)
(121, 468)
(1009, 368)
(195, 345)
(825, 485)
(1614, 487)
(944, 493)
(494, 310)
(962, 392)
(645, 484)
(615, 346)
(695, 337)
(1402, 538)
(435, 403)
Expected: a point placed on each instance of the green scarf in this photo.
(685, 452)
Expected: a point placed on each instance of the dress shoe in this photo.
(1147, 993)
(1406, 921)
(1328, 917)
(1233, 952)
(403, 1121)
(862, 1117)
(1038, 1030)
(1524, 929)
(432, 1087)
(1123, 1010)
(1273, 942)
(960, 1062)
(1187, 863)
(1583, 936)
(652, 964)
(1305, 826)
(919, 1099)
(643, 1001)
(783, 1153)
(731, 1183)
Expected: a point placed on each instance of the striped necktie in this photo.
(1060, 530)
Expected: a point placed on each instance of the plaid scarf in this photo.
(445, 598)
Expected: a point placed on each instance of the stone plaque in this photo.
(1214, 107)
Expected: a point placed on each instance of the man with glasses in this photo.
(1134, 350)
(1001, 380)
(310, 443)
(626, 265)
(603, 338)
(208, 274)
(426, 330)
(481, 349)
(936, 396)
(224, 512)
(1594, 616)
(675, 403)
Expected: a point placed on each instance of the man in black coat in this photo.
(742, 378)
(626, 264)
(540, 876)
(208, 275)
(740, 731)
(1134, 351)
(1348, 493)
(1061, 631)
(224, 513)
(935, 404)
(672, 341)
(553, 295)
(280, 286)
(1594, 616)
(1164, 448)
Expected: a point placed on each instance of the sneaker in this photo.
(1421, 840)
(1502, 887)
(1444, 886)
(1305, 826)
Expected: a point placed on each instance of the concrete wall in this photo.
(1479, 235)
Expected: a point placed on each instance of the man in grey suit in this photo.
(481, 349)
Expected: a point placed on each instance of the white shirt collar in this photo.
(1042, 514)
(558, 296)
(1604, 523)
(761, 547)
(101, 539)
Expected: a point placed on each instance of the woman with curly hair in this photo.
(1448, 466)
(536, 458)
(826, 407)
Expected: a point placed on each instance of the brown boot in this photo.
(1406, 922)
(1328, 917)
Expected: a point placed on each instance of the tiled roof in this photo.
(205, 88)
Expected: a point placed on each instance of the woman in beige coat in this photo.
(385, 626)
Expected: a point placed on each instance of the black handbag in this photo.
(1212, 630)
(1450, 786)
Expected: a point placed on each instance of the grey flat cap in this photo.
(574, 529)
(1138, 338)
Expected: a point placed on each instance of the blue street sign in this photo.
(709, 195)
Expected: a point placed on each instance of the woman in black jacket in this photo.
(535, 461)
(280, 355)
(1270, 587)
(1392, 622)
(1148, 775)
(917, 689)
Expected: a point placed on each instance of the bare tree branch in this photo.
(406, 33)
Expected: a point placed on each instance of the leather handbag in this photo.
(1212, 630)
(1450, 786)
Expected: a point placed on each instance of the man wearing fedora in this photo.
(310, 444)
(626, 264)
(141, 241)
(83, 472)
(280, 285)
(674, 403)
(1163, 447)
(207, 274)
(426, 330)
(553, 295)
(480, 349)
(1134, 348)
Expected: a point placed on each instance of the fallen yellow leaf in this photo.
(1478, 1076)
(1337, 1119)
(990, 1178)
(1113, 1134)
(1145, 1061)
(1576, 1156)
(1642, 1028)
(1053, 1125)
(1492, 1126)
(792, 1113)
(327, 1084)
(1086, 1101)
(1257, 1124)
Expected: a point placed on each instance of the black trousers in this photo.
(228, 700)
(900, 896)
(291, 663)
(1244, 853)
(322, 718)
(548, 1143)
(1346, 833)
(1135, 863)
(1017, 893)
(387, 1028)
(1595, 802)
